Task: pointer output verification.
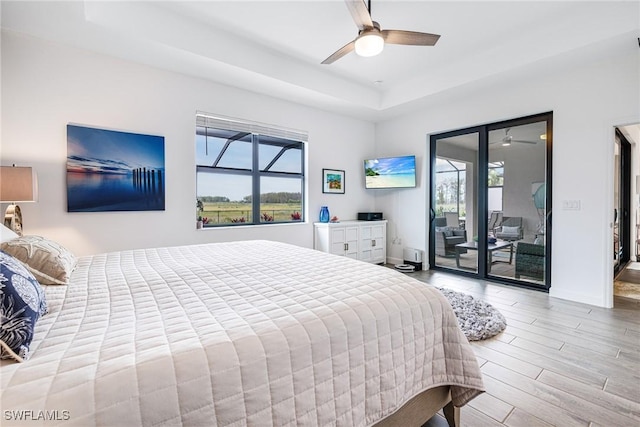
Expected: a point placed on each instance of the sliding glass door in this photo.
(454, 211)
(490, 201)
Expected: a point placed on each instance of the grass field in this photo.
(233, 212)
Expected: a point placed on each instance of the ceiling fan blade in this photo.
(409, 37)
(348, 48)
(507, 140)
(524, 142)
(359, 13)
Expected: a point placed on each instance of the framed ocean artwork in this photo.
(110, 170)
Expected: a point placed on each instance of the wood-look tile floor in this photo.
(558, 363)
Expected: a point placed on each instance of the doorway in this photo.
(626, 228)
(621, 202)
(490, 201)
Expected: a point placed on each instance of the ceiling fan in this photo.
(371, 38)
(508, 139)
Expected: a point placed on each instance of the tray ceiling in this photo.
(276, 47)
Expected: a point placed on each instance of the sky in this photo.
(239, 154)
(107, 151)
(237, 187)
(393, 165)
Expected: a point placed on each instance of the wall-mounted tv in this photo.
(390, 172)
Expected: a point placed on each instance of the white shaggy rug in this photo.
(477, 319)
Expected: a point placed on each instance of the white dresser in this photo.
(363, 240)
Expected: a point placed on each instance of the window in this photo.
(450, 186)
(248, 173)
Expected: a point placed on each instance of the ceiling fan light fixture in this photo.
(369, 44)
(506, 144)
(371, 40)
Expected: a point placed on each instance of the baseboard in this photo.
(577, 297)
(394, 260)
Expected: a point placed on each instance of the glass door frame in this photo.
(483, 195)
(481, 202)
(624, 202)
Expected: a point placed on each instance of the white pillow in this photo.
(6, 234)
(510, 230)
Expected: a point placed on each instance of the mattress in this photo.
(252, 333)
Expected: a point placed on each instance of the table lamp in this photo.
(17, 184)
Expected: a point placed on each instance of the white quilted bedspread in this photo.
(246, 333)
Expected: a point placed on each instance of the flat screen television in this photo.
(390, 172)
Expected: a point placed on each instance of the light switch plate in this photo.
(571, 205)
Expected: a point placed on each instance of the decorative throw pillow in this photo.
(7, 234)
(446, 230)
(50, 262)
(510, 230)
(22, 302)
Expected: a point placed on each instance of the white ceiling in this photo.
(276, 47)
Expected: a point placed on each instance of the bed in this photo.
(253, 333)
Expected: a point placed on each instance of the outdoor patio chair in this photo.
(510, 230)
(530, 260)
(447, 239)
(453, 219)
(495, 219)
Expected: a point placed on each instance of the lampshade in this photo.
(18, 184)
(369, 44)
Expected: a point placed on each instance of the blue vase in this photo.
(324, 214)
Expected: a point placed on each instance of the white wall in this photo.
(46, 86)
(588, 100)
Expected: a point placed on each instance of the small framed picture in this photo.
(332, 181)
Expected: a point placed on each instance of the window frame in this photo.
(256, 139)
